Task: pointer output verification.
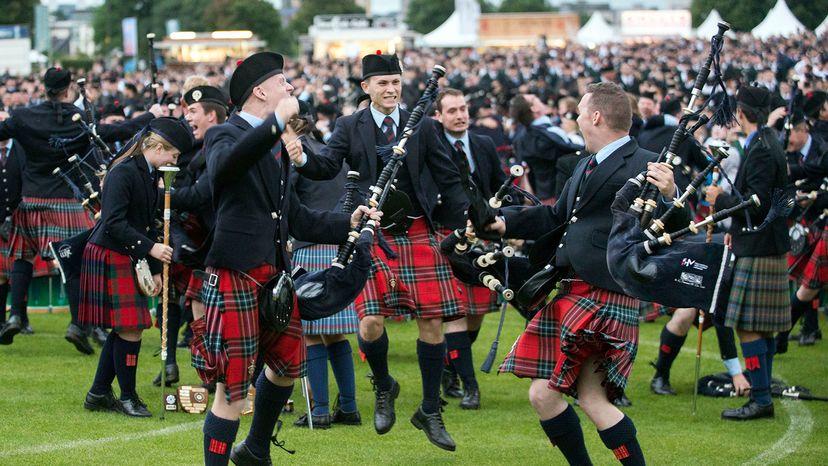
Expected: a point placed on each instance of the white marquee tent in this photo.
(461, 29)
(596, 31)
(709, 27)
(822, 28)
(779, 22)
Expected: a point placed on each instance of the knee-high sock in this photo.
(810, 320)
(73, 296)
(459, 352)
(771, 344)
(106, 367)
(473, 335)
(798, 309)
(430, 358)
(173, 323)
(621, 439)
(317, 364)
(376, 353)
(564, 431)
(219, 434)
(21, 278)
(667, 351)
(755, 354)
(342, 364)
(125, 354)
(4, 296)
(270, 398)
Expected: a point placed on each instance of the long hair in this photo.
(142, 141)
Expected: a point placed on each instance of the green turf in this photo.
(43, 381)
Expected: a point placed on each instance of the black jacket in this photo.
(11, 180)
(48, 144)
(762, 170)
(541, 148)
(130, 201)
(655, 136)
(813, 169)
(584, 244)
(488, 174)
(434, 175)
(255, 206)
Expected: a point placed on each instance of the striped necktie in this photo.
(591, 166)
(388, 129)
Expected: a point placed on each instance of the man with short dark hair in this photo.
(583, 343)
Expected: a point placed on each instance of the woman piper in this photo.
(110, 295)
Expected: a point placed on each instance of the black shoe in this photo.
(240, 455)
(10, 329)
(27, 330)
(451, 384)
(134, 407)
(348, 419)
(322, 421)
(98, 335)
(384, 415)
(781, 343)
(171, 376)
(798, 336)
(105, 402)
(435, 430)
(471, 399)
(807, 339)
(749, 411)
(77, 337)
(622, 401)
(661, 386)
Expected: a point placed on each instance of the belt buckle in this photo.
(212, 280)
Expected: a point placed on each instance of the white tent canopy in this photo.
(461, 29)
(596, 31)
(822, 28)
(709, 27)
(779, 22)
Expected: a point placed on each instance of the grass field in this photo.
(43, 381)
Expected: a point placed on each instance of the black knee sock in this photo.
(564, 431)
(4, 296)
(376, 353)
(270, 398)
(771, 344)
(459, 352)
(21, 278)
(219, 434)
(173, 322)
(667, 351)
(621, 439)
(125, 354)
(73, 296)
(798, 309)
(430, 358)
(473, 335)
(755, 353)
(810, 322)
(106, 368)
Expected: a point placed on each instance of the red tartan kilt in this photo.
(418, 282)
(194, 288)
(39, 221)
(813, 271)
(180, 278)
(478, 300)
(109, 295)
(227, 340)
(580, 322)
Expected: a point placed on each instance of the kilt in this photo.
(760, 300)
(227, 339)
(418, 282)
(109, 295)
(312, 259)
(582, 320)
(476, 300)
(194, 289)
(813, 272)
(180, 278)
(39, 221)
(6, 260)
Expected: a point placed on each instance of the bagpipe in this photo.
(88, 195)
(326, 292)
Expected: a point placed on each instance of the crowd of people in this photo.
(265, 148)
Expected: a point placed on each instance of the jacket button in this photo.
(138, 242)
(147, 228)
(573, 220)
(560, 246)
(274, 215)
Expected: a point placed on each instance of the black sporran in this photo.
(276, 303)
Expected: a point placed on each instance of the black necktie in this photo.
(388, 129)
(458, 146)
(4, 152)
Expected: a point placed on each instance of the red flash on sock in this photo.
(752, 363)
(361, 356)
(453, 354)
(131, 360)
(621, 453)
(217, 447)
(666, 349)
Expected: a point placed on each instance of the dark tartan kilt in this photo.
(39, 221)
(194, 289)
(109, 295)
(314, 258)
(813, 272)
(180, 278)
(227, 339)
(760, 300)
(582, 320)
(6, 260)
(418, 282)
